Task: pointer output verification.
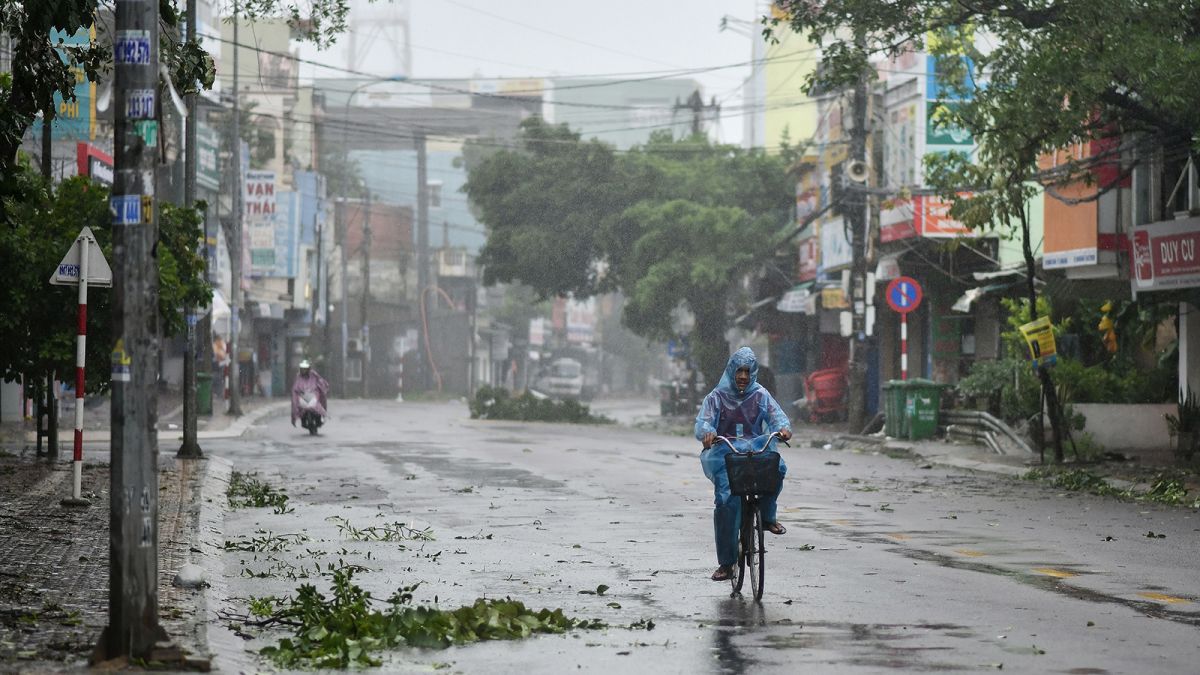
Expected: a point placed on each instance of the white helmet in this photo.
(305, 365)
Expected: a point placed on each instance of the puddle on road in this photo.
(472, 471)
(881, 642)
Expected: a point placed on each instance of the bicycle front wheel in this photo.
(739, 570)
(754, 559)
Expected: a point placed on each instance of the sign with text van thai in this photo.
(1166, 255)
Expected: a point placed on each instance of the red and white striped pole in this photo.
(80, 350)
(904, 346)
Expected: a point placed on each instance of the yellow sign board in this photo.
(834, 298)
(1039, 336)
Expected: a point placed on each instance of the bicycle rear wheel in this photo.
(754, 559)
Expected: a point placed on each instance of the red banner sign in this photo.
(1166, 255)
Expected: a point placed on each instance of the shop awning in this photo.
(796, 300)
(964, 302)
(754, 307)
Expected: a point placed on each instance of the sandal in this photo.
(775, 528)
(722, 574)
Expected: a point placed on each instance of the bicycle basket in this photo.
(753, 474)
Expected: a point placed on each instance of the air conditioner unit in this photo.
(354, 345)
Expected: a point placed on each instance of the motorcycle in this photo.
(310, 412)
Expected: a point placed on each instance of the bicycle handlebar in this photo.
(773, 434)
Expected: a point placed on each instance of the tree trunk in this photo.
(1048, 391)
(710, 349)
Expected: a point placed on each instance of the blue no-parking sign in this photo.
(904, 294)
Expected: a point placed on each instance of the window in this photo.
(435, 194)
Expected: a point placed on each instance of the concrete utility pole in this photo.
(191, 446)
(235, 248)
(696, 106)
(856, 213)
(133, 626)
(48, 403)
(344, 306)
(423, 280)
(366, 298)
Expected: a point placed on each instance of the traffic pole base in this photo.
(75, 503)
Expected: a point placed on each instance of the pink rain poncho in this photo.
(312, 382)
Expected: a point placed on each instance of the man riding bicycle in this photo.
(737, 408)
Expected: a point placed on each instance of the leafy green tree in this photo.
(42, 68)
(544, 203)
(1052, 73)
(673, 224)
(38, 321)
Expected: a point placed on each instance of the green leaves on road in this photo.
(246, 490)
(345, 629)
(1165, 488)
(497, 404)
(386, 532)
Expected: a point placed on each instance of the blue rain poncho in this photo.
(743, 415)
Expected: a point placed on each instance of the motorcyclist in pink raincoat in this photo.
(309, 381)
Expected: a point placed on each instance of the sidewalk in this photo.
(55, 575)
(55, 571)
(97, 418)
(1134, 474)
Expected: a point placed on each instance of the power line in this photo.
(429, 82)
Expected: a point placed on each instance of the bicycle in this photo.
(752, 473)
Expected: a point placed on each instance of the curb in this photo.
(209, 540)
(100, 437)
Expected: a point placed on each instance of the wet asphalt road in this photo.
(889, 565)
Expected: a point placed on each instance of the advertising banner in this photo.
(896, 220)
(1039, 336)
(581, 320)
(921, 215)
(208, 173)
(1165, 255)
(260, 206)
(835, 245)
(808, 259)
(936, 221)
(74, 120)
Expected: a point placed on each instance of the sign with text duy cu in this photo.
(1166, 255)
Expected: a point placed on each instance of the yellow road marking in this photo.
(970, 552)
(1162, 597)
(897, 536)
(793, 509)
(841, 521)
(1051, 572)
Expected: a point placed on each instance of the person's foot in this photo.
(775, 528)
(723, 573)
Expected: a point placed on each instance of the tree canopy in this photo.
(37, 320)
(672, 224)
(1027, 78)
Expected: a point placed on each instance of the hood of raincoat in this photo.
(742, 358)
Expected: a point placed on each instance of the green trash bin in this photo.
(894, 421)
(922, 401)
(203, 393)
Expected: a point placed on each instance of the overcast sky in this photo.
(544, 38)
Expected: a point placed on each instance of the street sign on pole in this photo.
(903, 296)
(70, 269)
(83, 265)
